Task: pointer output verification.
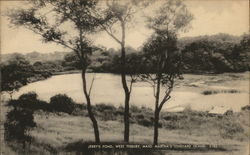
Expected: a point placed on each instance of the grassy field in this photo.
(61, 133)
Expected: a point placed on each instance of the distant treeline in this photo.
(217, 53)
(35, 56)
(205, 54)
(17, 72)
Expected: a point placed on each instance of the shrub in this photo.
(145, 122)
(80, 110)
(29, 101)
(105, 112)
(119, 111)
(18, 122)
(31, 96)
(209, 92)
(104, 107)
(230, 128)
(135, 109)
(139, 116)
(212, 92)
(42, 105)
(62, 103)
(229, 112)
(13, 103)
(247, 107)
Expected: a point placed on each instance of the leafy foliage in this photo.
(17, 72)
(218, 56)
(62, 103)
(29, 101)
(77, 13)
(161, 49)
(18, 122)
(172, 15)
(58, 103)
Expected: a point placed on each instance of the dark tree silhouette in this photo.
(18, 122)
(46, 18)
(161, 53)
(161, 49)
(120, 14)
(14, 74)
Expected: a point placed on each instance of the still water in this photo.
(107, 89)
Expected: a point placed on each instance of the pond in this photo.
(214, 93)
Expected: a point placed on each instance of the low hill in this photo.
(36, 56)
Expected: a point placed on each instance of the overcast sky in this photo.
(210, 17)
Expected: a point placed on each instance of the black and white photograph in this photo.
(133, 77)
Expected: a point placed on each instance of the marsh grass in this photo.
(212, 92)
(63, 133)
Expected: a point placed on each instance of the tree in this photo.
(241, 55)
(161, 49)
(72, 61)
(18, 122)
(117, 15)
(46, 18)
(14, 74)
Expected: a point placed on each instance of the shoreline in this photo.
(189, 73)
(189, 86)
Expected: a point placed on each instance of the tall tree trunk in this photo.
(89, 108)
(124, 85)
(127, 97)
(156, 124)
(157, 110)
(126, 118)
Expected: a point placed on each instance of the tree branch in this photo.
(166, 98)
(130, 87)
(104, 27)
(111, 34)
(91, 85)
(167, 95)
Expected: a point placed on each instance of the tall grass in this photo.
(212, 92)
(57, 128)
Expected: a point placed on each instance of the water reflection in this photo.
(107, 88)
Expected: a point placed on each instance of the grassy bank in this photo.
(60, 133)
(66, 72)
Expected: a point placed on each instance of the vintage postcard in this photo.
(124, 77)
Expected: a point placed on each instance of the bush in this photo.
(42, 105)
(31, 96)
(26, 101)
(145, 122)
(230, 128)
(135, 109)
(213, 92)
(119, 111)
(105, 111)
(29, 101)
(209, 92)
(139, 116)
(80, 110)
(247, 107)
(104, 107)
(18, 122)
(62, 103)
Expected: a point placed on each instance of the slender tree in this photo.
(51, 19)
(115, 18)
(161, 49)
(163, 62)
